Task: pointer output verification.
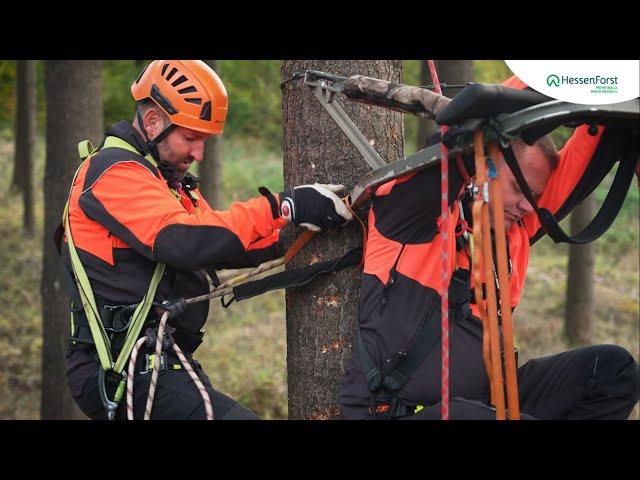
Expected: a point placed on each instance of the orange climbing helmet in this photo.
(189, 91)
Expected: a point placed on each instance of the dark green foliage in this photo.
(7, 94)
(117, 77)
(255, 107)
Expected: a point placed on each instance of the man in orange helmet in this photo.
(133, 206)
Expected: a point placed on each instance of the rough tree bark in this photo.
(321, 318)
(74, 113)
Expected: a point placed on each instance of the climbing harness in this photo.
(113, 369)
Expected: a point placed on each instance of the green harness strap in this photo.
(100, 338)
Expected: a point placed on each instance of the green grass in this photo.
(248, 166)
(244, 351)
(20, 325)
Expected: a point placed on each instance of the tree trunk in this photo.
(210, 169)
(74, 113)
(580, 299)
(25, 137)
(322, 317)
(18, 128)
(451, 72)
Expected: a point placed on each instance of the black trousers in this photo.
(593, 383)
(176, 396)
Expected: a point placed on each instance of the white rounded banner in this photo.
(590, 82)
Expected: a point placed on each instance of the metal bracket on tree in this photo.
(324, 87)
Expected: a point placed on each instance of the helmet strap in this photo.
(152, 145)
(170, 174)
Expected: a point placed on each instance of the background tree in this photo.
(74, 113)
(321, 318)
(580, 289)
(25, 137)
(210, 169)
(451, 72)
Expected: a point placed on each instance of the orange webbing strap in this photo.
(307, 235)
(300, 242)
(497, 208)
(483, 228)
(477, 267)
(462, 169)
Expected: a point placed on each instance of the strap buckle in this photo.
(149, 362)
(114, 317)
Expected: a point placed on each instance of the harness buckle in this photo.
(114, 317)
(149, 359)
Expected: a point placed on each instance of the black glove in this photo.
(316, 207)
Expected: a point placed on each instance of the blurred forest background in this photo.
(244, 351)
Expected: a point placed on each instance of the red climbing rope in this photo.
(444, 228)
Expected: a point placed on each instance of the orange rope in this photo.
(497, 208)
(296, 246)
(307, 235)
(481, 210)
(480, 301)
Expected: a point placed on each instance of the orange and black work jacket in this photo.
(125, 219)
(401, 282)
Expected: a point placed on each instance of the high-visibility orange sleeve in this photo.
(138, 208)
(574, 159)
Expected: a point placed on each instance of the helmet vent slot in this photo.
(142, 73)
(205, 113)
(180, 80)
(172, 73)
(190, 89)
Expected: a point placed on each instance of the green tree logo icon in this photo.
(553, 80)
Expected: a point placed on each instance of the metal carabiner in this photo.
(110, 406)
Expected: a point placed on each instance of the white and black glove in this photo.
(316, 207)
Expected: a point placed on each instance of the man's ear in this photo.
(153, 122)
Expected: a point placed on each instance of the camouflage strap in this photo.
(417, 101)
